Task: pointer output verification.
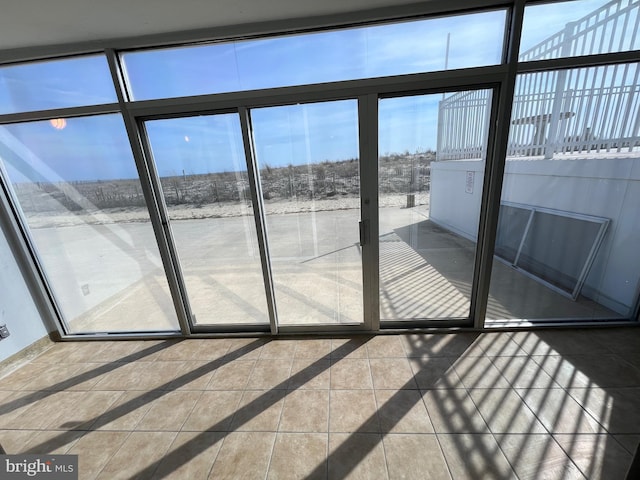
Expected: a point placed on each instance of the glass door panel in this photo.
(432, 151)
(78, 188)
(202, 168)
(307, 157)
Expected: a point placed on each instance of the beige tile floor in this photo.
(529, 405)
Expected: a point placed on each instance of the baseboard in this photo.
(25, 355)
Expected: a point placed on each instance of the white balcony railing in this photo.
(611, 28)
(590, 110)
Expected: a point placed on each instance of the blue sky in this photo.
(93, 148)
(392, 49)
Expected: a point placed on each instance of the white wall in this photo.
(604, 187)
(454, 203)
(17, 307)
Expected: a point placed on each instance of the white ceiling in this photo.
(36, 23)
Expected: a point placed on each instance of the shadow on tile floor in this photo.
(553, 404)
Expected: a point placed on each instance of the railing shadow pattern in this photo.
(523, 404)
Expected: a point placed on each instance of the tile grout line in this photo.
(328, 448)
(536, 416)
(243, 390)
(164, 455)
(328, 425)
(187, 416)
(624, 447)
(568, 392)
(489, 430)
(380, 432)
(193, 407)
(114, 454)
(375, 400)
(226, 434)
(373, 389)
(493, 435)
(277, 429)
(569, 455)
(444, 457)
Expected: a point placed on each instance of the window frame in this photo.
(501, 76)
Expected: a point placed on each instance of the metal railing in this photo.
(588, 110)
(611, 28)
(463, 123)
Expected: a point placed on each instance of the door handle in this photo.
(363, 233)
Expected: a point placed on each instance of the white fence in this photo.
(611, 28)
(582, 110)
(463, 121)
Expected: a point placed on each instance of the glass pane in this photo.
(203, 171)
(345, 54)
(78, 188)
(512, 226)
(72, 82)
(430, 171)
(309, 171)
(583, 27)
(574, 159)
(572, 240)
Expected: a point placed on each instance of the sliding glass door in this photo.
(309, 167)
(307, 170)
(202, 169)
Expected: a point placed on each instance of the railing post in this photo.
(486, 104)
(439, 131)
(552, 139)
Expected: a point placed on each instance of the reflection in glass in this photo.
(72, 82)
(342, 54)
(430, 171)
(571, 192)
(79, 191)
(309, 172)
(203, 171)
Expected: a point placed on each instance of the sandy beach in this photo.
(214, 210)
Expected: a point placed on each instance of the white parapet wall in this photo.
(606, 186)
(456, 194)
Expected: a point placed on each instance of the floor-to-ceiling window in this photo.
(77, 186)
(569, 223)
(335, 179)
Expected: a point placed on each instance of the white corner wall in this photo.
(456, 195)
(604, 187)
(18, 309)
